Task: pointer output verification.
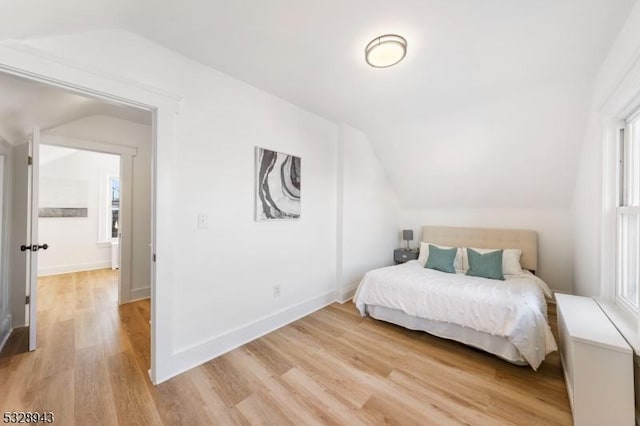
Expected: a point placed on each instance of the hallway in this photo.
(92, 355)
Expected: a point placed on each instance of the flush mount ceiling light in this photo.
(385, 51)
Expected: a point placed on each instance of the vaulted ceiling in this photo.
(488, 108)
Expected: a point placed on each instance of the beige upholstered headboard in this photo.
(527, 241)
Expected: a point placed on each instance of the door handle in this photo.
(34, 247)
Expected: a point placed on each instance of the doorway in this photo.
(70, 131)
(79, 206)
(164, 106)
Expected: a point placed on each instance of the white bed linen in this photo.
(514, 308)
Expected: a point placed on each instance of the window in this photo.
(114, 206)
(628, 215)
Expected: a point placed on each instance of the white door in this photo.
(32, 273)
(26, 218)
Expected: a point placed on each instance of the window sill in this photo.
(103, 244)
(624, 321)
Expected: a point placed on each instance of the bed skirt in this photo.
(496, 345)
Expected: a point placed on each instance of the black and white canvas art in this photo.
(277, 185)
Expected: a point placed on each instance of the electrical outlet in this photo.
(276, 290)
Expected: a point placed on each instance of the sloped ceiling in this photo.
(25, 104)
(487, 110)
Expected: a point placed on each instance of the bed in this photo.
(505, 318)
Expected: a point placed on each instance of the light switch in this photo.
(203, 221)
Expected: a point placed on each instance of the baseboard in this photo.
(78, 267)
(5, 330)
(346, 294)
(139, 293)
(134, 295)
(194, 355)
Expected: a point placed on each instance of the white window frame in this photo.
(104, 222)
(623, 301)
(617, 194)
(613, 112)
(110, 206)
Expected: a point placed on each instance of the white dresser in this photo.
(598, 364)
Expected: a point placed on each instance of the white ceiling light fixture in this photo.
(385, 51)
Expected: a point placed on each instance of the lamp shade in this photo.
(407, 234)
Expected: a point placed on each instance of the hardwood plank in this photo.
(261, 381)
(17, 377)
(258, 409)
(54, 393)
(58, 354)
(369, 361)
(395, 412)
(277, 364)
(465, 409)
(134, 405)
(215, 407)
(93, 394)
(114, 338)
(329, 372)
(340, 387)
(323, 399)
(86, 325)
(230, 384)
(135, 322)
(179, 403)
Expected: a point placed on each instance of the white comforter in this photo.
(514, 308)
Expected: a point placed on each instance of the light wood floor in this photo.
(331, 367)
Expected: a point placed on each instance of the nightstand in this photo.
(401, 255)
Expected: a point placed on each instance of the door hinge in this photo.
(29, 160)
(27, 300)
(154, 257)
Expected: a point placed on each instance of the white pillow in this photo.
(510, 260)
(424, 255)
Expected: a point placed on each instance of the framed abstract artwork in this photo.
(277, 185)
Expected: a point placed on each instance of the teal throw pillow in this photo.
(441, 259)
(488, 265)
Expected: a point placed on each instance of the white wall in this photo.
(368, 212)
(513, 150)
(221, 290)
(116, 131)
(555, 239)
(504, 161)
(588, 214)
(74, 243)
